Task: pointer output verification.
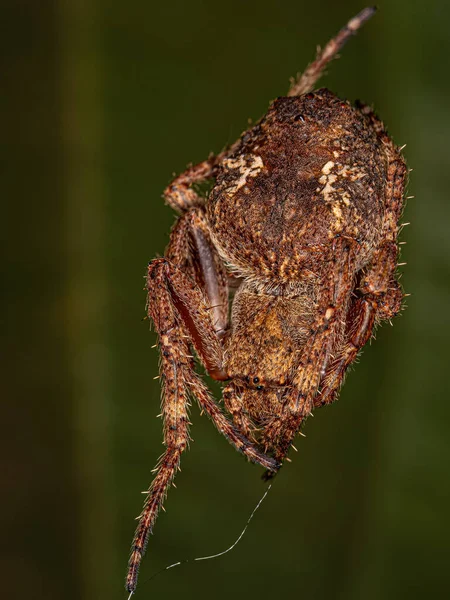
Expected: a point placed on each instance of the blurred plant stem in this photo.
(81, 76)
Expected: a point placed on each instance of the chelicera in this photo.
(298, 235)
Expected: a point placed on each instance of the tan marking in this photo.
(346, 198)
(329, 313)
(248, 166)
(351, 172)
(337, 212)
(328, 190)
(326, 169)
(332, 196)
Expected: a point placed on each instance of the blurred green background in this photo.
(102, 102)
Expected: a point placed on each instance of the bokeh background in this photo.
(101, 102)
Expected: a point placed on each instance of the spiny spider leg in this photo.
(382, 303)
(193, 252)
(179, 194)
(381, 293)
(334, 303)
(395, 184)
(202, 315)
(175, 359)
(305, 83)
(181, 316)
(234, 406)
(361, 318)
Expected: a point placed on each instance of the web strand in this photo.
(233, 545)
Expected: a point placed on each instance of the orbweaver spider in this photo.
(301, 224)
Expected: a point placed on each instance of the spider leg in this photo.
(381, 301)
(179, 194)
(305, 83)
(208, 271)
(361, 320)
(299, 401)
(193, 252)
(395, 184)
(181, 314)
(176, 437)
(381, 294)
(234, 406)
(200, 260)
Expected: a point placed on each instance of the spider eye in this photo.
(259, 387)
(255, 379)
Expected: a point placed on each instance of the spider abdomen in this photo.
(312, 169)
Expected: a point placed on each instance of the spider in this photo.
(300, 232)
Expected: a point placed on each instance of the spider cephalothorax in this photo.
(301, 224)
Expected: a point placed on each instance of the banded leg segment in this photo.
(381, 301)
(380, 293)
(180, 195)
(306, 82)
(191, 323)
(192, 250)
(180, 314)
(316, 354)
(175, 361)
(235, 408)
(362, 319)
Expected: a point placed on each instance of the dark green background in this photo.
(101, 102)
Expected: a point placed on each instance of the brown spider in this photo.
(302, 224)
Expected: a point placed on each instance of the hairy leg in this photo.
(280, 432)
(361, 319)
(306, 82)
(190, 322)
(193, 252)
(187, 303)
(234, 406)
(180, 195)
(175, 360)
(381, 301)
(380, 294)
